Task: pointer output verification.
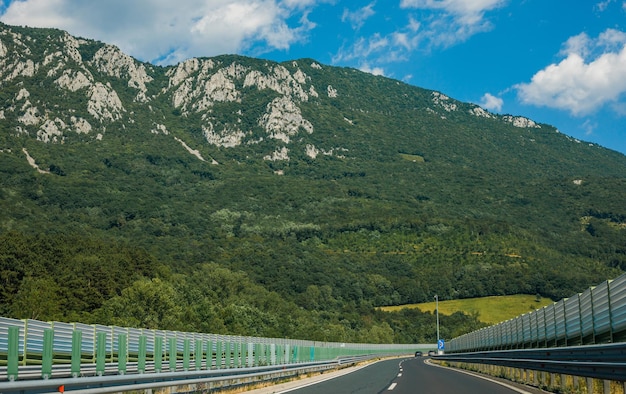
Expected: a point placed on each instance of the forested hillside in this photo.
(237, 195)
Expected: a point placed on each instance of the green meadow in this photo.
(489, 310)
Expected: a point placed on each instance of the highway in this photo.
(404, 376)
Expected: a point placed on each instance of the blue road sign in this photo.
(440, 344)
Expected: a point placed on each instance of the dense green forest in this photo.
(404, 198)
(76, 278)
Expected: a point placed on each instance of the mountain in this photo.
(299, 189)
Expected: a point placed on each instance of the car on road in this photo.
(432, 352)
(418, 353)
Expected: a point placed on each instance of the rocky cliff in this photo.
(57, 87)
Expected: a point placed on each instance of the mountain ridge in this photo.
(193, 87)
(326, 189)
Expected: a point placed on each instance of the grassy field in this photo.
(490, 309)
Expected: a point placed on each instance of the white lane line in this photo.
(400, 374)
(393, 386)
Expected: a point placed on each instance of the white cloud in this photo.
(589, 127)
(592, 74)
(468, 10)
(362, 48)
(413, 25)
(435, 23)
(601, 6)
(454, 21)
(167, 31)
(491, 102)
(357, 18)
(375, 70)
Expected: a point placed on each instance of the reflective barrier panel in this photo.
(95, 350)
(598, 315)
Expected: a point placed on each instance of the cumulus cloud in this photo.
(165, 31)
(491, 102)
(592, 74)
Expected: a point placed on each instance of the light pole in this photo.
(437, 313)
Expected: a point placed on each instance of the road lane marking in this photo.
(400, 374)
(393, 386)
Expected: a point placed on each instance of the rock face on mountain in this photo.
(233, 101)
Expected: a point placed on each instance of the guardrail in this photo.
(592, 361)
(31, 349)
(597, 315)
(192, 381)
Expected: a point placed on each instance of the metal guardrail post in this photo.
(236, 349)
(580, 323)
(224, 355)
(218, 355)
(240, 355)
(608, 295)
(13, 354)
(198, 354)
(47, 353)
(593, 319)
(249, 354)
(158, 354)
(209, 355)
(101, 350)
(141, 356)
(186, 354)
(77, 338)
(229, 354)
(122, 353)
(233, 354)
(172, 354)
(565, 321)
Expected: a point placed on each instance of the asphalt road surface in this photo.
(403, 376)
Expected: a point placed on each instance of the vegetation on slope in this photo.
(133, 230)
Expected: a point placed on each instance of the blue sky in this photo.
(561, 62)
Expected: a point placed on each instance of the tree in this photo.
(37, 298)
(148, 303)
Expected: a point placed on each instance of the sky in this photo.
(560, 62)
